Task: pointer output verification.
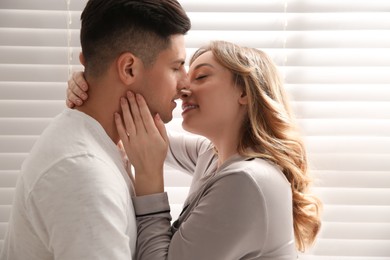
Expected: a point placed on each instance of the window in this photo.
(335, 59)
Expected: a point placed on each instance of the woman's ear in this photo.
(243, 99)
(127, 66)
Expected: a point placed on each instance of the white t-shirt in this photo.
(73, 198)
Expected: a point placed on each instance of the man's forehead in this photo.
(175, 53)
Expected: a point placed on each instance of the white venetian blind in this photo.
(335, 59)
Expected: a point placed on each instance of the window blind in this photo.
(335, 60)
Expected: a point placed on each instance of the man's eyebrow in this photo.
(180, 61)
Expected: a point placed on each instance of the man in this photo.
(73, 198)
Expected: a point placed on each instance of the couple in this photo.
(75, 198)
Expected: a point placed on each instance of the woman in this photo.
(248, 198)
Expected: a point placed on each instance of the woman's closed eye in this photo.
(199, 77)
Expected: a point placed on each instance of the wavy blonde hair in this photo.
(269, 129)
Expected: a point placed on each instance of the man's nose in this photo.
(184, 82)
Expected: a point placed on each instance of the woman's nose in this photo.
(185, 93)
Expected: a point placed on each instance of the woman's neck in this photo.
(226, 145)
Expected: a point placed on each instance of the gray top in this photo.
(242, 210)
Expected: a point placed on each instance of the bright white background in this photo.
(335, 59)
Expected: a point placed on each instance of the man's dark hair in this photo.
(142, 27)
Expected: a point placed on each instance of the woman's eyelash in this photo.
(200, 77)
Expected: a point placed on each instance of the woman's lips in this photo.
(187, 107)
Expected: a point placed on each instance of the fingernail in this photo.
(123, 100)
(138, 96)
(84, 87)
(130, 94)
(78, 102)
(158, 116)
(84, 96)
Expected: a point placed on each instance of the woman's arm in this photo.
(184, 150)
(228, 222)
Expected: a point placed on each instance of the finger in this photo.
(77, 84)
(121, 128)
(79, 79)
(137, 119)
(69, 104)
(72, 98)
(121, 149)
(145, 114)
(127, 118)
(161, 127)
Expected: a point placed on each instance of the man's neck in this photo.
(101, 105)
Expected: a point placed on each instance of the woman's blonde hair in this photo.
(269, 130)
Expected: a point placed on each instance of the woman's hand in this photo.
(145, 141)
(76, 93)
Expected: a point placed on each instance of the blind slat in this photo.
(353, 144)
(356, 213)
(8, 179)
(336, 110)
(354, 196)
(36, 19)
(11, 161)
(339, 92)
(352, 247)
(16, 72)
(32, 108)
(5, 211)
(350, 162)
(345, 127)
(365, 231)
(26, 90)
(295, 39)
(316, 6)
(351, 179)
(23, 126)
(42, 4)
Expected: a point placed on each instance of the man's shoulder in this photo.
(68, 133)
(66, 142)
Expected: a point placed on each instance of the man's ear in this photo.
(82, 59)
(128, 67)
(243, 99)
